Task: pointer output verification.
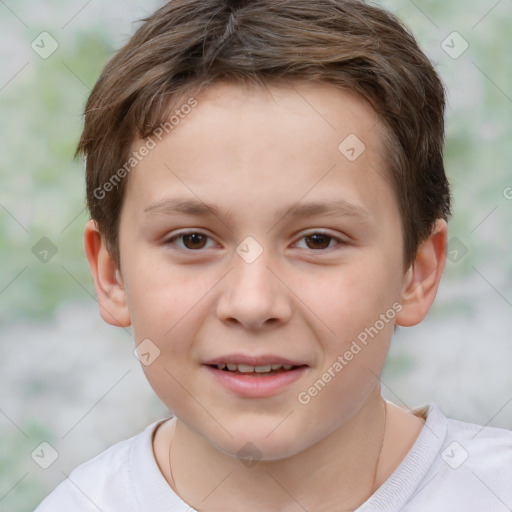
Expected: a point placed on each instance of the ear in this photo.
(422, 279)
(107, 278)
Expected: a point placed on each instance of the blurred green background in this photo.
(52, 341)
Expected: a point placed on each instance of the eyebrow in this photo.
(190, 206)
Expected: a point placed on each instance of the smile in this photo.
(268, 369)
(255, 381)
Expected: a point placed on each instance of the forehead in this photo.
(274, 144)
(322, 105)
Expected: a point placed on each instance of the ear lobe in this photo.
(422, 279)
(107, 278)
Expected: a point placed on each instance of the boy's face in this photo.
(256, 282)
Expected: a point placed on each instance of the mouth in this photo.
(255, 371)
(255, 377)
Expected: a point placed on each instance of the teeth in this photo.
(263, 369)
(247, 368)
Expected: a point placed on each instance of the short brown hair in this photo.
(187, 44)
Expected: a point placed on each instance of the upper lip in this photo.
(262, 360)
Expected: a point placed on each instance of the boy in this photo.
(268, 201)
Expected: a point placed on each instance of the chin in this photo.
(255, 441)
(250, 451)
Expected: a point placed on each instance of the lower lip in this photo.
(256, 387)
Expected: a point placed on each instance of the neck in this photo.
(343, 469)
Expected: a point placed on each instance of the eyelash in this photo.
(307, 235)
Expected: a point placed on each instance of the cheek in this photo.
(164, 311)
(352, 298)
(360, 307)
(159, 296)
(167, 307)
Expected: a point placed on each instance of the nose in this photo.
(254, 296)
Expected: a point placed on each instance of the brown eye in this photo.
(191, 241)
(194, 241)
(318, 241)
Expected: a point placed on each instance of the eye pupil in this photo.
(196, 239)
(319, 237)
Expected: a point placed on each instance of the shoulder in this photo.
(453, 465)
(472, 469)
(104, 482)
(485, 452)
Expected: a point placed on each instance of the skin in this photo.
(252, 151)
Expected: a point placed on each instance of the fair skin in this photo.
(253, 152)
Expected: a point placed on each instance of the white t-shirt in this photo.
(453, 466)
